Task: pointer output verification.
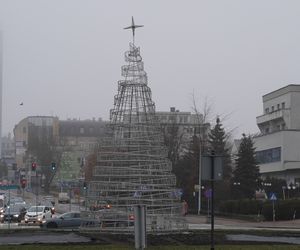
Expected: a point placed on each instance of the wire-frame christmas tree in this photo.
(132, 166)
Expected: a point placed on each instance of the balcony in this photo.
(275, 115)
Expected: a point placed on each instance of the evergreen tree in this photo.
(217, 141)
(246, 173)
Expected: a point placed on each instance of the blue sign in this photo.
(273, 197)
(208, 193)
(7, 187)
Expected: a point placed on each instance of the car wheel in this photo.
(51, 225)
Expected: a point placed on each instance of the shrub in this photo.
(284, 209)
(245, 207)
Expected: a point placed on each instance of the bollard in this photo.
(140, 226)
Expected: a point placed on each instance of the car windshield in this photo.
(13, 209)
(16, 199)
(36, 209)
(70, 215)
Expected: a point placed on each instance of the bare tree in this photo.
(173, 138)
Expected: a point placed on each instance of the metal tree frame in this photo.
(132, 165)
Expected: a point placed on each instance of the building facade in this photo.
(278, 144)
(70, 141)
(186, 124)
(7, 147)
(27, 131)
(1, 77)
(77, 139)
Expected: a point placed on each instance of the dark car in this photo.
(116, 218)
(14, 213)
(16, 200)
(66, 220)
(99, 205)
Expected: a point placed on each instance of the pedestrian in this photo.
(184, 208)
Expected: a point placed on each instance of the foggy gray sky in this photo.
(63, 57)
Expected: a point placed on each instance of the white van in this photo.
(64, 198)
(38, 214)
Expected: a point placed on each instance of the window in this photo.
(283, 126)
(278, 106)
(272, 108)
(81, 130)
(283, 105)
(267, 110)
(267, 130)
(269, 155)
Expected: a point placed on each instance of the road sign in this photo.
(9, 187)
(273, 197)
(206, 167)
(208, 193)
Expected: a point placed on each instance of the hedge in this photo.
(245, 207)
(284, 209)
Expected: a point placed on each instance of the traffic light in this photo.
(53, 166)
(33, 166)
(23, 183)
(84, 185)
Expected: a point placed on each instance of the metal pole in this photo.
(208, 200)
(9, 208)
(70, 199)
(273, 210)
(212, 242)
(200, 166)
(36, 192)
(85, 201)
(283, 192)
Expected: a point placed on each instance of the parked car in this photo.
(16, 200)
(47, 203)
(50, 198)
(64, 198)
(13, 213)
(37, 214)
(66, 220)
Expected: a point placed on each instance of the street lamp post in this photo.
(200, 181)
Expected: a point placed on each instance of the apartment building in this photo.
(186, 124)
(278, 145)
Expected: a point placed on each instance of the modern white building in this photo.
(1, 68)
(278, 145)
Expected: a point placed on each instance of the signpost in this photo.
(212, 170)
(207, 195)
(273, 198)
